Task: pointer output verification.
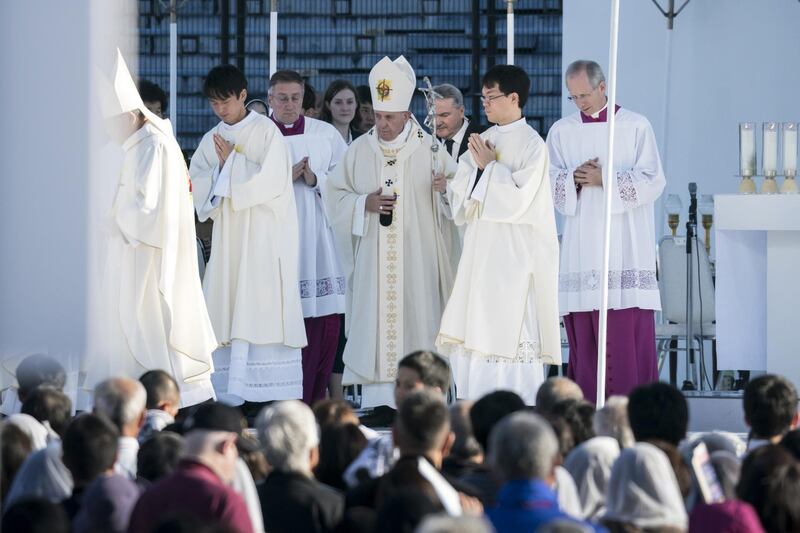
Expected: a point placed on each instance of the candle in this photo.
(789, 148)
(770, 146)
(747, 149)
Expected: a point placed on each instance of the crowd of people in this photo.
(136, 463)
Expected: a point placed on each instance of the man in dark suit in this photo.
(452, 127)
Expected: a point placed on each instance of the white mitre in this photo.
(392, 84)
(118, 94)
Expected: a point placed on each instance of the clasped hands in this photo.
(482, 151)
(302, 170)
(589, 174)
(223, 149)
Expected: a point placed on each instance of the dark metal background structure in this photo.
(451, 41)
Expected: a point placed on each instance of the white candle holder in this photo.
(789, 186)
(747, 157)
(769, 157)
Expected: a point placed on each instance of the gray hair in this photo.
(555, 390)
(450, 91)
(122, 400)
(288, 432)
(591, 68)
(611, 420)
(523, 446)
(442, 523)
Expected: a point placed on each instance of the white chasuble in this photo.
(152, 314)
(398, 277)
(639, 181)
(501, 322)
(251, 279)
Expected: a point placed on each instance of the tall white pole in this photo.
(510, 32)
(273, 38)
(173, 65)
(609, 185)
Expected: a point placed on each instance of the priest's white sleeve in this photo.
(506, 195)
(203, 170)
(644, 182)
(565, 195)
(139, 201)
(258, 183)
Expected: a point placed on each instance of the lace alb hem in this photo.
(617, 279)
(528, 352)
(322, 287)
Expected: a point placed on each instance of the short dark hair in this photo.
(770, 404)
(150, 92)
(764, 471)
(333, 89)
(159, 386)
(309, 96)
(421, 419)
(158, 455)
(89, 447)
(17, 446)
(35, 515)
(433, 369)
(286, 76)
(50, 405)
(332, 412)
(489, 410)
(224, 81)
(509, 79)
(37, 370)
(364, 94)
(339, 446)
(658, 411)
(579, 416)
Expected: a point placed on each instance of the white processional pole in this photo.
(510, 33)
(609, 184)
(173, 65)
(273, 38)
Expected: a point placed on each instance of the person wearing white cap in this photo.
(243, 179)
(154, 315)
(501, 323)
(385, 206)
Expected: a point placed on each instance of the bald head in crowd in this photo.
(555, 390)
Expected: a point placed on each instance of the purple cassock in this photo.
(633, 288)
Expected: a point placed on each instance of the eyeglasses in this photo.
(284, 99)
(575, 98)
(487, 99)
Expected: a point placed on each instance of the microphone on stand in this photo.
(691, 224)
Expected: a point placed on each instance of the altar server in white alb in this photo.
(316, 149)
(385, 206)
(501, 323)
(242, 174)
(578, 146)
(153, 315)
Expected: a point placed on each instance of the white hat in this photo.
(392, 84)
(118, 92)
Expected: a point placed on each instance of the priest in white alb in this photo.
(578, 146)
(316, 148)
(152, 314)
(387, 210)
(501, 324)
(242, 174)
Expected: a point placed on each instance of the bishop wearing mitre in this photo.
(390, 214)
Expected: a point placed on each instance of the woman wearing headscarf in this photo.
(643, 493)
(590, 465)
